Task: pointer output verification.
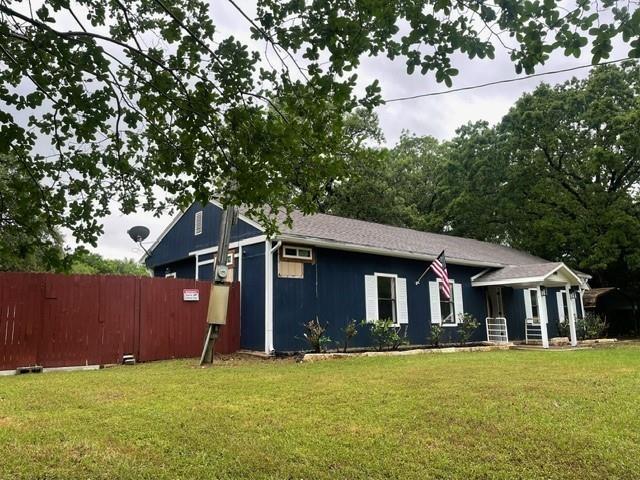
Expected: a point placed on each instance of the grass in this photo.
(510, 414)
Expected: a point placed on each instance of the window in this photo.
(197, 227)
(447, 307)
(387, 297)
(535, 312)
(298, 253)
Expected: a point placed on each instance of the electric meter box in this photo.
(218, 303)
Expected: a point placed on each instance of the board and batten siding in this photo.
(180, 239)
(333, 291)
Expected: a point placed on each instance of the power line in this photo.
(498, 82)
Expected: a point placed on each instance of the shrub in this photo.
(386, 335)
(349, 331)
(436, 333)
(314, 334)
(591, 326)
(467, 324)
(399, 337)
(563, 329)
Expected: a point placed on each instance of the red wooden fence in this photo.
(59, 320)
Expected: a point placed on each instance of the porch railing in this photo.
(532, 332)
(497, 330)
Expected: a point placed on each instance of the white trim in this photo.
(297, 248)
(240, 243)
(572, 317)
(527, 280)
(268, 298)
(396, 322)
(197, 275)
(379, 274)
(478, 275)
(352, 247)
(170, 275)
(181, 213)
(542, 312)
(244, 218)
(160, 237)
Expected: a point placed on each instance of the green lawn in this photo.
(509, 414)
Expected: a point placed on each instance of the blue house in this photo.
(338, 269)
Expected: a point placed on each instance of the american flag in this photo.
(439, 266)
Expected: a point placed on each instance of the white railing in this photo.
(532, 332)
(497, 330)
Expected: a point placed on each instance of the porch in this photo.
(521, 301)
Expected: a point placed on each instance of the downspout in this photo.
(278, 245)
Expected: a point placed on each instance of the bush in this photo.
(563, 329)
(590, 327)
(386, 335)
(349, 332)
(435, 334)
(467, 324)
(314, 334)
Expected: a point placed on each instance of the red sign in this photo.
(191, 294)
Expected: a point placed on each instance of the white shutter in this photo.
(560, 306)
(527, 304)
(458, 304)
(371, 297)
(434, 302)
(401, 300)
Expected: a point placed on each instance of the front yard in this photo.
(511, 414)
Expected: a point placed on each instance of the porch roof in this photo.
(549, 274)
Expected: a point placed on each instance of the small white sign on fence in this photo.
(191, 295)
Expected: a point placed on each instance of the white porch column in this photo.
(572, 317)
(581, 293)
(542, 312)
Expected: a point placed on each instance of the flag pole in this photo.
(423, 274)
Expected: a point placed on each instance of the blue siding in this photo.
(333, 291)
(252, 298)
(180, 240)
(185, 268)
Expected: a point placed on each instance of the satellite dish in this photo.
(138, 234)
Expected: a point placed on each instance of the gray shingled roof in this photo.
(360, 233)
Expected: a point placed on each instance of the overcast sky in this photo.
(437, 116)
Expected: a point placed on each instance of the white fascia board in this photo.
(351, 247)
(478, 275)
(240, 243)
(175, 220)
(528, 280)
(509, 281)
(245, 219)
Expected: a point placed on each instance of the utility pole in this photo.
(219, 296)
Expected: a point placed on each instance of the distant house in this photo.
(338, 269)
(614, 307)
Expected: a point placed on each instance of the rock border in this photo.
(313, 357)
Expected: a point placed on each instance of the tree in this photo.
(137, 97)
(89, 263)
(574, 171)
(27, 241)
(396, 186)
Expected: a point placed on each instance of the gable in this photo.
(180, 237)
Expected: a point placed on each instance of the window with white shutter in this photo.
(445, 311)
(386, 297)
